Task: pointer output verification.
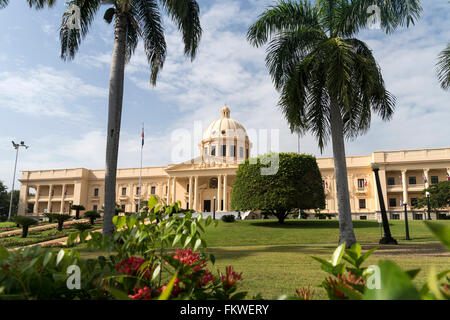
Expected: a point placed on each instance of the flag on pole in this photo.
(424, 178)
(142, 135)
(365, 182)
(448, 176)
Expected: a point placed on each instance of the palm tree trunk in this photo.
(114, 116)
(346, 233)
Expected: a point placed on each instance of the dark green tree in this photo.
(297, 184)
(439, 197)
(77, 208)
(25, 222)
(4, 202)
(60, 218)
(92, 215)
(329, 81)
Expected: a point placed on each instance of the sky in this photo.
(60, 108)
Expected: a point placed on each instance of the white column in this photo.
(174, 193)
(49, 203)
(219, 185)
(62, 198)
(190, 193)
(195, 207)
(225, 206)
(168, 191)
(36, 200)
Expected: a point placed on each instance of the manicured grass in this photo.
(270, 232)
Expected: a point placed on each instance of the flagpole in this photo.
(140, 171)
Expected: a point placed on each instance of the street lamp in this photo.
(16, 146)
(214, 208)
(428, 206)
(405, 204)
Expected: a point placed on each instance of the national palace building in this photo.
(224, 145)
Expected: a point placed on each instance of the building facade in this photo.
(206, 182)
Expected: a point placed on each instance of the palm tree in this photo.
(133, 19)
(444, 68)
(329, 81)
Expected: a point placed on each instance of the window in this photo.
(418, 216)
(391, 181)
(138, 189)
(124, 191)
(434, 179)
(96, 192)
(412, 180)
(246, 153)
(137, 208)
(95, 207)
(392, 202)
(361, 183)
(224, 150)
(395, 216)
(413, 202)
(232, 151)
(362, 203)
(241, 152)
(213, 150)
(153, 190)
(187, 188)
(363, 217)
(123, 208)
(187, 205)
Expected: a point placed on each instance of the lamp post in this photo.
(214, 208)
(405, 204)
(428, 206)
(16, 146)
(387, 239)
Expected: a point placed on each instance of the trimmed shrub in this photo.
(25, 222)
(92, 215)
(82, 226)
(60, 218)
(228, 218)
(77, 209)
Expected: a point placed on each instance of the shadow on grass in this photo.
(312, 224)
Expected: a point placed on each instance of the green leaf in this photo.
(395, 284)
(188, 240)
(3, 253)
(47, 258)
(168, 290)
(197, 244)
(441, 231)
(412, 273)
(337, 254)
(176, 240)
(119, 221)
(193, 229)
(71, 238)
(152, 202)
(208, 221)
(60, 256)
(118, 294)
(156, 272)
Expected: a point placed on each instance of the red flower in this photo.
(188, 258)
(305, 293)
(141, 294)
(206, 278)
(230, 278)
(131, 267)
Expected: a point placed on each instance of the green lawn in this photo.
(270, 232)
(275, 259)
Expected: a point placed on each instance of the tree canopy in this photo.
(297, 184)
(439, 196)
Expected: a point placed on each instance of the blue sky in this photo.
(60, 108)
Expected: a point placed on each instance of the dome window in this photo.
(223, 131)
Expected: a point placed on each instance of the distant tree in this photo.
(4, 201)
(60, 218)
(77, 208)
(439, 196)
(25, 222)
(297, 184)
(92, 215)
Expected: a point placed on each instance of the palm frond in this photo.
(71, 37)
(40, 4)
(149, 20)
(3, 3)
(443, 66)
(284, 16)
(186, 14)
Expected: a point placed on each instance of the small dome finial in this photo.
(225, 112)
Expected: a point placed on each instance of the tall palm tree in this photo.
(329, 81)
(444, 68)
(38, 4)
(133, 19)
